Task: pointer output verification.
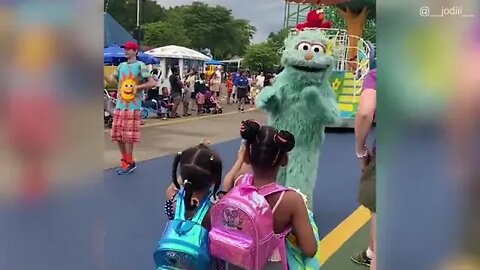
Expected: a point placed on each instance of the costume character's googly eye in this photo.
(318, 48)
(303, 46)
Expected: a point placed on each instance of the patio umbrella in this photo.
(115, 54)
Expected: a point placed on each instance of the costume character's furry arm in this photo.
(324, 103)
(268, 100)
(302, 102)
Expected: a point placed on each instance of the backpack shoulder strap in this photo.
(272, 189)
(180, 206)
(282, 248)
(278, 202)
(180, 210)
(237, 181)
(246, 179)
(203, 210)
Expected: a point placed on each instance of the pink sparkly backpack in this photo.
(242, 226)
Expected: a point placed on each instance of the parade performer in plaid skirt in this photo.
(133, 78)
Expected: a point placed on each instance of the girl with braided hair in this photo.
(196, 179)
(200, 171)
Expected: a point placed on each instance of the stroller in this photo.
(150, 106)
(212, 105)
(109, 104)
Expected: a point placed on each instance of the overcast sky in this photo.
(265, 15)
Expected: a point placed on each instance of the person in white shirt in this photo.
(216, 81)
(259, 81)
(188, 90)
(218, 74)
(154, 92)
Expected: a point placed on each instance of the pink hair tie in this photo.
(280, 138)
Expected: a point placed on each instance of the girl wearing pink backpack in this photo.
(250, 223)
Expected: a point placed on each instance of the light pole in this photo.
(138, 34)
(138, 13)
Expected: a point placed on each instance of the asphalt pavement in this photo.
(114, 224)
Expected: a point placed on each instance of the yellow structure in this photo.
(209, 71)
(109, 70)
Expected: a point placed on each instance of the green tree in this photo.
(197, 26)
(276, 39)
(125, 12)
(261, 57)
(240, 34)
(214, 27)
(160, 34)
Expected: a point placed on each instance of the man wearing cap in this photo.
(133, 78)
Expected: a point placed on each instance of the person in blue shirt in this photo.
(242, 90)
(235, 84)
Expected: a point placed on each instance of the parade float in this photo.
(353, 55)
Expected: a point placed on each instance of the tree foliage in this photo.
(166, 33)
(214, 27)
(276, 39)
(266, 56)
(197, 26)
(261, 57)
(125, 12)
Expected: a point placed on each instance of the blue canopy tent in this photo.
(214, 63)
(115, 54)
(114, 33)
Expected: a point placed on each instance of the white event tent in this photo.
(236, 59)
(177, 55)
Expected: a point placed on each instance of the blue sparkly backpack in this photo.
(184, 243)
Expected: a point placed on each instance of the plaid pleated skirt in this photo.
(126, 126)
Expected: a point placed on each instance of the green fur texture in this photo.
(302, 102)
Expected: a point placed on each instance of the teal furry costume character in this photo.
(302, 102)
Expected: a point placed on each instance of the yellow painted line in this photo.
(332, 242)
(160, 122)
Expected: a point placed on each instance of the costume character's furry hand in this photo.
(267, 100)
